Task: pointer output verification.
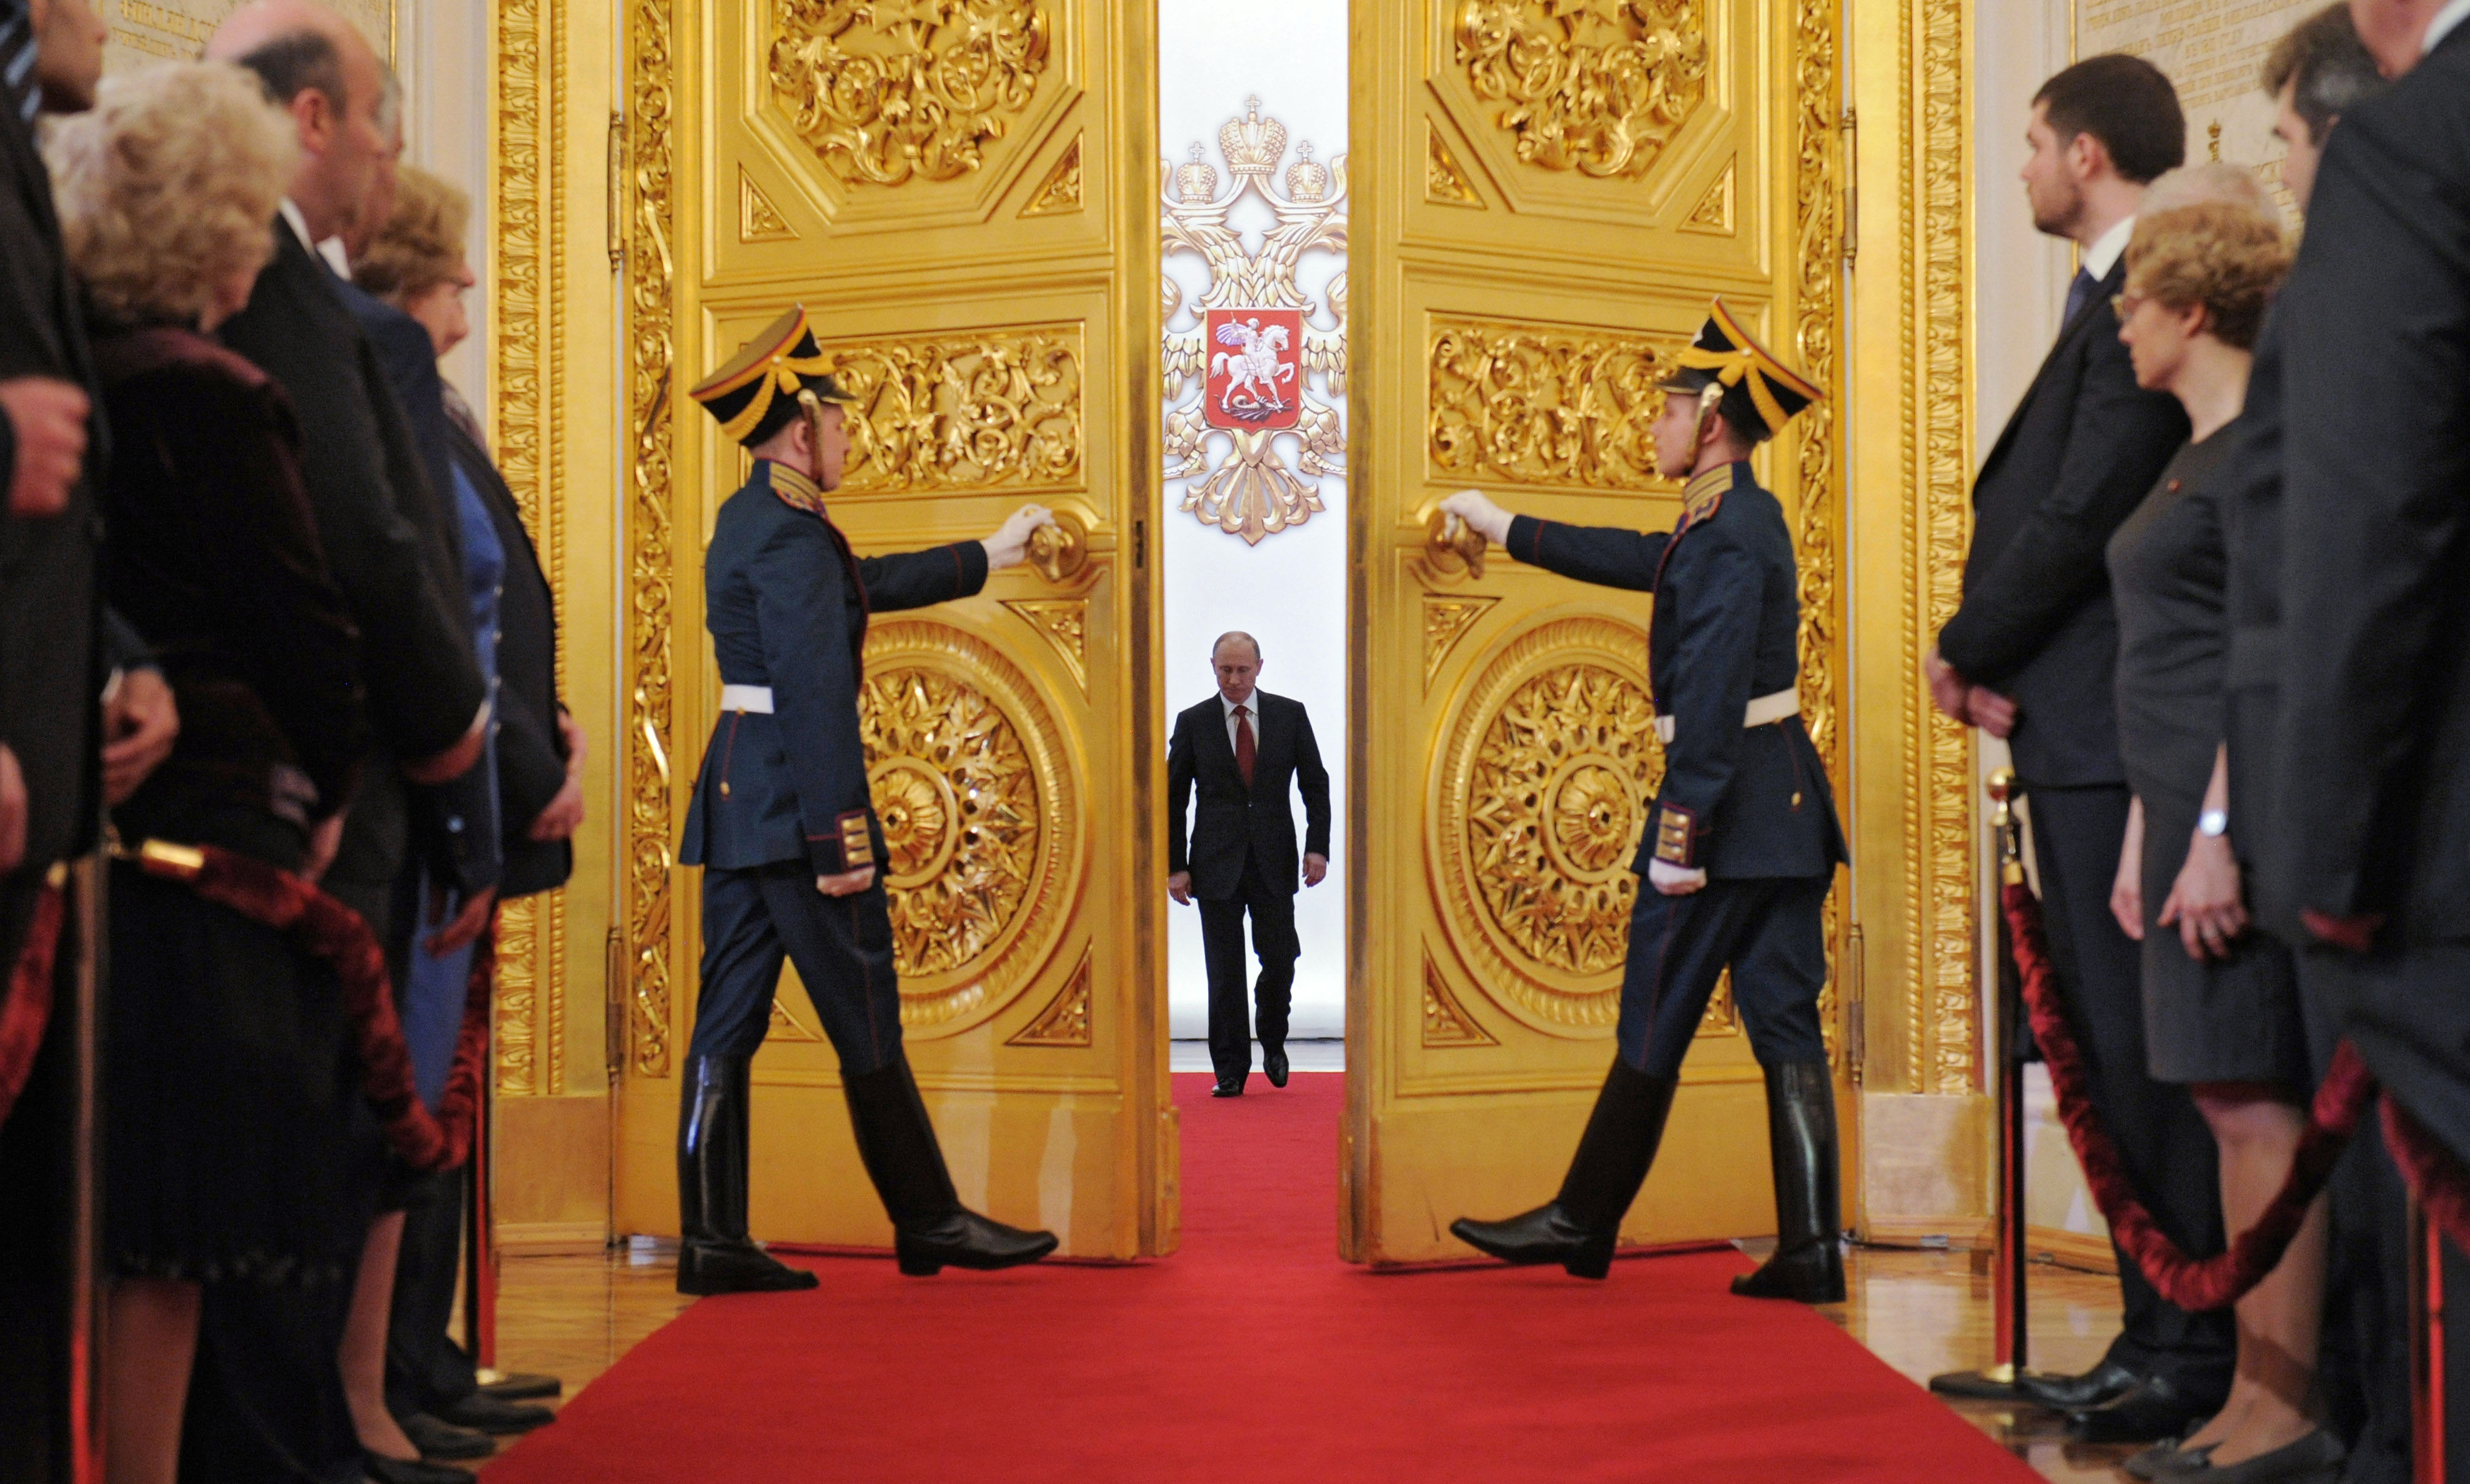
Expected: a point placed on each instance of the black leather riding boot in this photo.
(715, 1255)
(930, 1228)
(1577, 1228)
(1809, 1261)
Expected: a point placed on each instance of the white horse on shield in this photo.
(1254, 363)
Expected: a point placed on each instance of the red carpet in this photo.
(1255, 1354)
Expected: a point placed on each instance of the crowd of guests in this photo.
(262, 589)
(2214, 604)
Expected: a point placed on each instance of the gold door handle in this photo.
(1450, 545)
(1059, 551)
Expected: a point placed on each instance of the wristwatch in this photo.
(2215, 822)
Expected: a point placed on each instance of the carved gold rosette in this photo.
(886, 90)
(1539, 796)
(974, 789)
(1599, 86)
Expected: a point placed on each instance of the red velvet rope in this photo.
(27, 1010)
(334, 933)
(2341, 1102)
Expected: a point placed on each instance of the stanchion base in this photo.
(1997, 1383)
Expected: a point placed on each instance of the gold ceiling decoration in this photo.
(1543, 404)
(888, 90)
(1252, 492)
(1543, 788)
(1598, 86)
(976, 409)
(972, 785)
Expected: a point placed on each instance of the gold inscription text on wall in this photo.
(972, 786)
(1543, 790)
(1599, 86)
(1545, 404)
(997, 409)
(885, 90)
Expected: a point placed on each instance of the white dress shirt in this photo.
(1251, 712)
(2103, 255)
(2446, 19)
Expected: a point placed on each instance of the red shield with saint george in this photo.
(1255, 368)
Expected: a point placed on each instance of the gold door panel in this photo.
(1548, 196)
(957, 194)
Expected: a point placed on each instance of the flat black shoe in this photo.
(2318, 1459)
(2104, 1384)
(967, 1240)
(484, 1413)
(442, 1442)
(733, 1268)
(394, 1470)
(2156, 1410)
(1228, 1090)
(522, 1387)
(2169, 1460)
(1273, 1065)
(1809, 1274)
(1544, 1235)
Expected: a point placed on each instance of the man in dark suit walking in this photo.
(2031, 655)
(1243, 746)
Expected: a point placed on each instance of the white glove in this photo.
(1675, 880)
(1477, 509)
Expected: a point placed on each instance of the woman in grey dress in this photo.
(2221, 1004)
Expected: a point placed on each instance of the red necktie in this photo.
(1243, 745)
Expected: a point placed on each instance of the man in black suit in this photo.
(2369, 816)
(1241, 746)
(2031, 655)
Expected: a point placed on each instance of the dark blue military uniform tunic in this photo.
(1747, 804)
(782, 797)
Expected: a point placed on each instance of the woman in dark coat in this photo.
(229, 1132)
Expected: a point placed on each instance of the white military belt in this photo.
(756, 699)
(1765, 710)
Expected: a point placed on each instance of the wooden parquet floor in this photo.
(1921, 1312)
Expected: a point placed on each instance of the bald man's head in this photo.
(323, 72)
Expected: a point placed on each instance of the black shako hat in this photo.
(758, 392)
(1761, 392)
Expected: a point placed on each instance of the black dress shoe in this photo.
(965, 1239)
(522, 1387)
(1227, 1089)
(2156, 1408)
(394, 1470)
(441, 1442)
(484, 1413)
(1546, 1234)
(2104, 1384)
(732, 1267)
(2318, 1459)
(1273, 1064)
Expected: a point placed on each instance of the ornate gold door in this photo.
(1548, 194)
(959, 193)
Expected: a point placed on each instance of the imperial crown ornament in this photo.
(1238, 379)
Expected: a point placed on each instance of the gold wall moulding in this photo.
(1445, 179)
(885, 91)
(975, 792)
(1598, 86)
(1446, 1022)
(1065, 1020)
(1541, 792)
(758, 220)
(1713, 216)
(1064, 624)
(1543, 404)
(1061, 190)
(979, 409)
(1445, 622)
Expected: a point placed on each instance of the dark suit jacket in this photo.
(51, 668)
(2249, 482)
(1233, 819)
(531, 750)
(2372, 783)
(1754, 800)
(384, 539)
(2077, 456)
(786, 601)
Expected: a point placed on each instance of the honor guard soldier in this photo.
(788, 839)
(1743, 842)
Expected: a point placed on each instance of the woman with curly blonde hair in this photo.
(229, 1155)
(2221, 1004)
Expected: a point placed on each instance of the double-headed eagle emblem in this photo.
(1238, 378)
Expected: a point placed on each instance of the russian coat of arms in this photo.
(1258, 376)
